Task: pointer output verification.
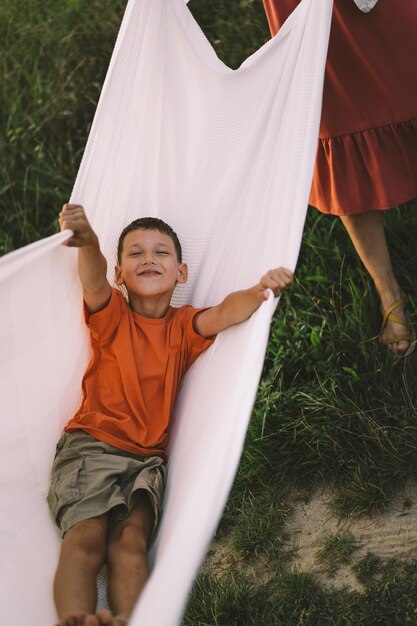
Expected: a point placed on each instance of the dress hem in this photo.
(351, 170)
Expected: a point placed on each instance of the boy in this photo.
(109, 471)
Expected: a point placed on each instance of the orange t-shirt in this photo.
(130, 385)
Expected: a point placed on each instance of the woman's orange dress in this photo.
(367, 152)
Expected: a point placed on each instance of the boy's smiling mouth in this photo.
(149, 273)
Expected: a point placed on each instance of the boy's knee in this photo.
(86, 539)
(129, 538)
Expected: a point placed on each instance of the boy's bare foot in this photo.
(106, 618)
(102, 618)
(76, 619)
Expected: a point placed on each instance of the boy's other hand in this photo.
(277, 279)
(240, 305)
(72, 217)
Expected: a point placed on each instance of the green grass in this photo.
(296, 599)
(333, 407)
(337, 550)
(367, 568)
(53, 62)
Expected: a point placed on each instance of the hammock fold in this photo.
(226, 157)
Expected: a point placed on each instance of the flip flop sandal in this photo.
(410, 335)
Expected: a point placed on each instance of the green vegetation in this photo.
(333, 407)
(295, 599)
(367, 568)
(53, 63)
(336, 550)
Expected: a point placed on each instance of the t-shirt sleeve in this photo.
(195, 343)
(103, 323)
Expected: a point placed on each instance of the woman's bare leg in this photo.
(366, 231)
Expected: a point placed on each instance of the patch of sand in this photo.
(222, 559)
(391, 533)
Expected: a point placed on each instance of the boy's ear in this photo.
(118, 275)
(182, 274)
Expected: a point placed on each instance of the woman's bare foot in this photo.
(396, 334)
(366, 231)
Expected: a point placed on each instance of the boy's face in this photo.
(149, 265)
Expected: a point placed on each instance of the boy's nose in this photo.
(148, 258)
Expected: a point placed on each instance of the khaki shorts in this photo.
(90, 478)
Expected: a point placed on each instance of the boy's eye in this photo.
(162, 252)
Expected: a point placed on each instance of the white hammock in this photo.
(224, 156)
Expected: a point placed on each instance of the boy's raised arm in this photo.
(240, 305)
(92, 266)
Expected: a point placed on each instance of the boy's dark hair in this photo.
(149, 223)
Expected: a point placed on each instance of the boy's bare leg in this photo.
(366, 231)
(127, 557)
(83, 552)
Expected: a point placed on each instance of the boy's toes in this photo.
(104, 617)
(75, 619)
(91, 620)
